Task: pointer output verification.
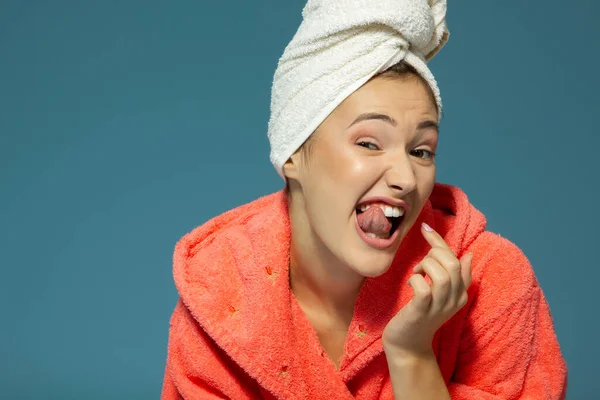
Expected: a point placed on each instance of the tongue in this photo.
(374, 221)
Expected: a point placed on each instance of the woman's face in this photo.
(377, 147)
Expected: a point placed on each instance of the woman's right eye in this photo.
(368, 145)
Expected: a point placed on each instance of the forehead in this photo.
(400, 95)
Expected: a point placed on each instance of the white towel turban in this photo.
(339, 46)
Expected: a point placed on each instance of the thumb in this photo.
(465, 268)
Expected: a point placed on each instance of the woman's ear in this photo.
(291, 167)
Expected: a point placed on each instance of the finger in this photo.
(440, 283)
(432, 237)
(465, 263)
(418, 269)
(453, 267)
(422, 293)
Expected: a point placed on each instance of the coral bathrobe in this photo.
(237, 331)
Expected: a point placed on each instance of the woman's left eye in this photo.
(428, 156)
(368, 145)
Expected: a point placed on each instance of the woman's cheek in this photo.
(359, 168)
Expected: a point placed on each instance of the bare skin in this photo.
(389, 153)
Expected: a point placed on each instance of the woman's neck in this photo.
(317, 278)
(316, 281)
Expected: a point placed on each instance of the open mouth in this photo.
(379, 220)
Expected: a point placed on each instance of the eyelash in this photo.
(431, 154)
(366, 144)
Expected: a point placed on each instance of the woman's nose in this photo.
(400, 175)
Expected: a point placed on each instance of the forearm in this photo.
(416, 377)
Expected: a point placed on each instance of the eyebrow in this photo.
(367, 116)
(386, 118)
(428, 124)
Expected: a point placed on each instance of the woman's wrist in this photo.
(407, 355)
(415, 375)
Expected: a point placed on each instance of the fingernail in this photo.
(427, 227)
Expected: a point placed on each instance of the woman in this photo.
(363, 278)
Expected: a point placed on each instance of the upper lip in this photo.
(388, 200)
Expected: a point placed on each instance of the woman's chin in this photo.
(371, 265)
(368, 261)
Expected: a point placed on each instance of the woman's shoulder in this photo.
(464, 227)
(224, 253)
(500, 268)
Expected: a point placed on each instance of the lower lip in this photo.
(377, 243)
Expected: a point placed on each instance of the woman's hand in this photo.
(410, 333)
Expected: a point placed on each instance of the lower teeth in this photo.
(372, 235)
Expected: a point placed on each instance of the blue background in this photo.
(125, 124)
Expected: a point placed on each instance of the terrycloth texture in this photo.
(238, 332)
(338, 47)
